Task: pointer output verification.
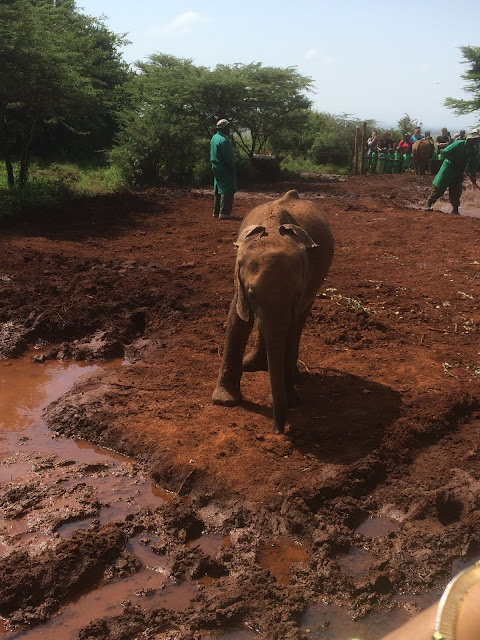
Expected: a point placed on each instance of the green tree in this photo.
(160, 130)
(56, 66)
(326, 139)
(471, 56)
(407, 125)
(260, 102)
(172, 95)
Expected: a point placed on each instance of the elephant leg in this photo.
(227, 391)
(256, 359)
(291, 358)
(276, 368)
(290, 373)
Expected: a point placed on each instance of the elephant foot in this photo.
(255, 361)
(278, 428)
(225, 398)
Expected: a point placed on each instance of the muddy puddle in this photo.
(52, 488)
(97, 486)
(31, 455)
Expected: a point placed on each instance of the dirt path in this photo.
(376, 479)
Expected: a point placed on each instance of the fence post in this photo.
(355, 156)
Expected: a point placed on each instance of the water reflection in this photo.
(329, 622)
(278, 557)
(27, 388)
(377, 527)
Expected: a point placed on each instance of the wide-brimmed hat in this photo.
(474, 133)
(221, 124)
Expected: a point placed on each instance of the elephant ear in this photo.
(251, 230)
(298, 232)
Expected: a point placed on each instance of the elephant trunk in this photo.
(275, 341)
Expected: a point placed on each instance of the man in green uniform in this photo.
(459, 157)
(223, 168)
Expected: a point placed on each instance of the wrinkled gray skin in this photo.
(285, 249)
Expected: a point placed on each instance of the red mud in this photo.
(388, 427)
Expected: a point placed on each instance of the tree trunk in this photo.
(10, 175)
(25, 157)
(5, 145)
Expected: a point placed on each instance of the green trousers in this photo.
(222, 204)
(454, 193)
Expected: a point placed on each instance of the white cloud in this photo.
(311, 54)
(314, 54)
(184, 23)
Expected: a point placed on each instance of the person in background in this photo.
(405, 148)
(458, 157)
(397, 162)
(406, 161)
(428, 136)
(416, 135)
(223, 168)
(405, 145)
(372, 143)
(386, 142)
(382, 160)
(462, 134)
(443, 140)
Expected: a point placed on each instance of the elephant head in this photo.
(270, 274)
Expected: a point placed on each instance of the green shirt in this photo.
(457, 158)
(223, 163)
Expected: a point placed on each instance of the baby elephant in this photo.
(285, 249)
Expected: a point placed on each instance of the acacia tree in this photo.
(407, 124)
(471, 56)
(56, 65)
(260, 102)
(172, 97)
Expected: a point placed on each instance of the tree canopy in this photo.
(471, 57)
(407, 125)
(175, 104)
(56, 65)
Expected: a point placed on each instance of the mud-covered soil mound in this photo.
(386, 435)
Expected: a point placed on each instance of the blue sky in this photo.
(371, 59)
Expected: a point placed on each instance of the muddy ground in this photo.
(387, 432)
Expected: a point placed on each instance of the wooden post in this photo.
(355, 157)
(364, 144)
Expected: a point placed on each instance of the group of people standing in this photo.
(384, 156)
(452, 159)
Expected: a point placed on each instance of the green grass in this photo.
(304, 165)
(56, 183)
